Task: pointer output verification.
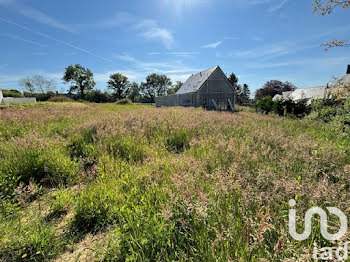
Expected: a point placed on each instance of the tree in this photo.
(43, 85)
(134, 92)
(38, 83)
(97, 96)
(245, 94)
(274, 87)
(326, 7)
(27, 84)
(155, 85)
(233, 80)
(175, 88)
(119, 84)
(80, 78)
(242, 93)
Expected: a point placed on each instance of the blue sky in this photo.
(259, 40)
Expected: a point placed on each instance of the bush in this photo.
(12, 93)
(96, 96)
(333, 111)
(291, 108)
(264, 105)
(60, 98)
(125, 101)
(283, 107)
(42, 97)
(326, 109)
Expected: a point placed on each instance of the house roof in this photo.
(317, 92)
(195, 82)
(310, 93)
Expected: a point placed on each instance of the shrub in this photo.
(283, 107)
(264, 105)
(12, 93)
(326, 109)
(333, 111)
(42, 97)
(97, 96)
(291, 108)
(125, 101)
(60, 98)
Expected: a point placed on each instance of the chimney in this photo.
(348, 72)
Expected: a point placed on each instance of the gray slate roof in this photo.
(195, 82)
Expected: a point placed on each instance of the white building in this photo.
(318, 92)
(16, 100)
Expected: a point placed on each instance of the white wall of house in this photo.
(15, 100)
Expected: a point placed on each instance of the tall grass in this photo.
(160, 184)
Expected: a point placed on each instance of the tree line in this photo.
(81, 86)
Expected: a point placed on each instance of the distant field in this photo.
(90, 182)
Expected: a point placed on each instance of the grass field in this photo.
(88, 182)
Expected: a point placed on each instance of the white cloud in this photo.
(218, 43)
(313, 62)
(73, 46)
(16, 37)
(119, 19)
(175, 53)
(55, 39)
(272, 50)
(277, 6)
(183, 54)
(43, 18)
(36, 15)
(150, 30)
(213, 45)
(257, 39)
(176, 70)
(179, 7)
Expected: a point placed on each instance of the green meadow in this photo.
(90, 182)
